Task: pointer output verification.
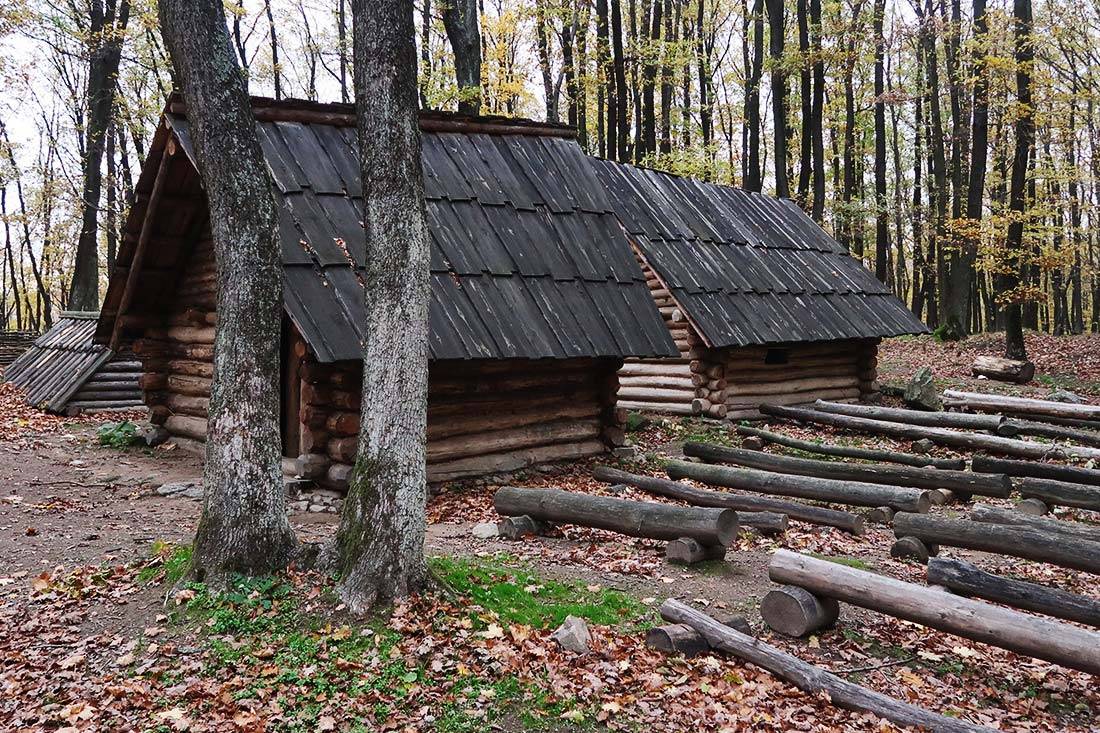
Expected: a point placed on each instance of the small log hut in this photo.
(536, 298)
(764, 306)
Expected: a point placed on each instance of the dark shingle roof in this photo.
(747, 268)
(59, 362)
(527, 258)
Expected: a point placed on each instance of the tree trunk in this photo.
(460, 20)
(809, 678)
(243, 527)
(1073, 474)
(882, 217)
(776, 33)
(380, 542)
(817, 209)
(1025, 542)
(795, 611)
(866, 454)
(542, 44)
(1003, 370)
(622, 123)
(1018, 632)
(875, 473)
(998, 515)
(605, 87)
(741, 502)
(753, 174)
(966, 579)
(710, 527)
(805, 92)
(804, 487)
(106, 33)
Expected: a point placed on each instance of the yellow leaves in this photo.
(910, 679)
(73, 660)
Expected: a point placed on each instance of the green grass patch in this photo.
(852, 562)
(174, 561)
(518, 596)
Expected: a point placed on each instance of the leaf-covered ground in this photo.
(97, 636)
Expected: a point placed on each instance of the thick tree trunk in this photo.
(1016, 541)
(741, 502)
(1072, 474)
(805, 487)
(708, 526)
(461, 23)
(992, 423)
(845, 451)
(380, 542)
(776, 33)
(809, 678)
(622, 123)
(966, 579)
(882, 220)
(243, 527)
(997, 515)
(805, 94)
(1019, 632)
(753, 175)
(817, 209)
(979, 143)
(876, 473)
(106, 33)
(1003, 370)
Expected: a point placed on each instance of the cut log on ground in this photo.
(742, 502)
(1060, 493)
(881, 515)
(809, 678)
(1003, 370)
(1055, 471)
(854, 493)
(1003, 539)
(635, 518)
(992, 423)
(1033, 507)
(796, 611)
(911, 548)
(979, 402)
(874, 473)
(676, 639)
(514, 528)
(940, 436)
(847, 451)
(1019, 632)
(766, 523)
(686, 551)
(1055, 432)
(968, 580)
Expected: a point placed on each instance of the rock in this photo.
(752, 443)
(484, 530)
(1064, 395)
(189, 488)
(573, 635)
(625, 452)
(923, 446)
(153, 435)
(920, 392)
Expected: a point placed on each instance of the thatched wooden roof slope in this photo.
(747, 268)
(60, 361)
(527, 258)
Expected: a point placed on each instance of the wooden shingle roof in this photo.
(747, 268)
(59, 361)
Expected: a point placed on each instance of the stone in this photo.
(186, 488)
(573, 635)
(153, 435)
(1064, 395)
(921, 393)
(485, 530)
(625, 452)
(923, 446)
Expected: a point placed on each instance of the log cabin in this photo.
(763, 304)
(536, 297)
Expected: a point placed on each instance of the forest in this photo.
(895, 124)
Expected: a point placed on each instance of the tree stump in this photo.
(881, 515)
(911, 548)
(688, 551)
(514, 528)
(676, 639)
(796, 611)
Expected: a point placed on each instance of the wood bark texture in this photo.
(845, 451)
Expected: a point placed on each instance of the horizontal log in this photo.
(526, 436)
(1041, 638)
(993, 423)
(1060, 493)
(108, 405)
(796, 398)
(482, 421)
(846, 451)
(187, 404)
(785, 385)
(966, 579)
(152, 381)
(647, 394)
(668, 408)
(342, 423)
(1071, 530)
(513, 460)
(741, 502)
(687, 551)
(804, 487)
(876, 473)
(181, 384)
(1003, 370)
(342, 450)
(187, 367)
(795, 611)
(676, 639)
(940, 436)
(980, 402)
(810, 679)
(1056, 432)
(658, 382)
(186, 426)
(707, 526)
(1024, 542)
(1055, 471)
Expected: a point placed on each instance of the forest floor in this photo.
(97, 635)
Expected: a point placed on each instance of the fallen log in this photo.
(981, 402)
(1003, 370)
(966, 579)
(804, 487)
(796, 611)
(708, 526)
(940, 436)
(1033, 507)
(743, 503)
(1058, 472)
(993, 423)
(809, 678)
(1022, 633)
(875, 473)
(912, 548)
(996, 515)
(686, 551)
(676, 639)
(846, 451)
(1056, 432)
(1060, 493)
(1017, 541)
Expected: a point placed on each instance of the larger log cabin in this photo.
(763, 304)
(536, 296)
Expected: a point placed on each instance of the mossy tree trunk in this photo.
(244, 527)
(380, 542)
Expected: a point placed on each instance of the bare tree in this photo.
(244, 527)
(460, 20)
(380, 542)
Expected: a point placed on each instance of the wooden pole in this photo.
(846, 451)
(1055, 471)
(1022, 633)
(1060, 493)
(991, 423)
(997, 515)
(809, 678)
(980, 402)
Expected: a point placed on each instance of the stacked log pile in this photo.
(114, 386)
(13, 344)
